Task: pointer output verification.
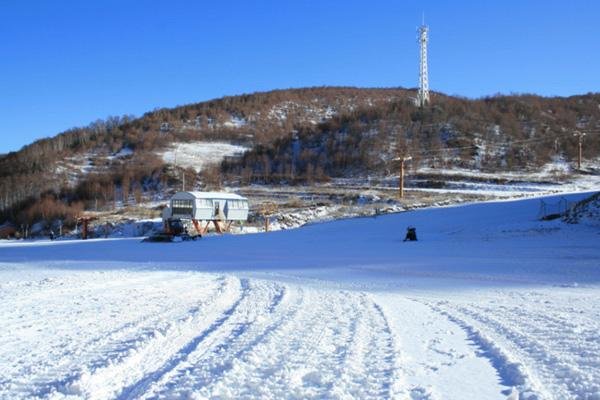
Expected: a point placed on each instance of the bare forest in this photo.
(294, 136)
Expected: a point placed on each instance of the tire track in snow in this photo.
(390, 368)
(351, 359)
(235, 378)
(161, 350)
(306, 354)
(435, 358)
(284, 361)
(70, 357)
(368, 369)
(252, 322)
(551, 376)
(136, 389)
(510, 370)
(118, 342)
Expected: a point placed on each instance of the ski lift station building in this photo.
(207, 206)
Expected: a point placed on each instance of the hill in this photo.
(286, 137)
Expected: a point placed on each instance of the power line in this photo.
(503, 145)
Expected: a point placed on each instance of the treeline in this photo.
(26, 174)
(125, 181)
(122, 182)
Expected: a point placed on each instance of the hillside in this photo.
(285, 137)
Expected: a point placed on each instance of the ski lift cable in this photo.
(502, 145)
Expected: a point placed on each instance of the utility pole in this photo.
(580, 136)
(401, 183)
(267, 209)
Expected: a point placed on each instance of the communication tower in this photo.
(423, 95)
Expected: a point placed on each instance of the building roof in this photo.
(210, 195)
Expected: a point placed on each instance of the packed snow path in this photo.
(545, 341)
(132, 335)
(491, 304)
(124, 334)
(146, 335)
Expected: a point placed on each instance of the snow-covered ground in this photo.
(490, 303)
(469, 182)
(198, 155)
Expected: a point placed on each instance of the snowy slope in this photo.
(490, 302)
(586, 211)
(198, 155)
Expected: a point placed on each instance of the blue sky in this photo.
(68, 63)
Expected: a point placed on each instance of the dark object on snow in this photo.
(7, 230)
(167, 237)
(411, 234)
(174, 231)
(51, 234)
(174, 226)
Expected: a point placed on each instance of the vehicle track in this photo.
(233, 337)
(218, 352)
(555, 373)
(80, 344)
(325, 337)
(368, 370)
(157, 352)
(510, 370)
(543, 354)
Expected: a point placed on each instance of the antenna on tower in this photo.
(423, 95)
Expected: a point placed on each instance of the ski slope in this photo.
(199, 155)
(489, 304)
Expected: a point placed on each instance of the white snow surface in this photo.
(235, 122)
(198, 155)
(490, 303)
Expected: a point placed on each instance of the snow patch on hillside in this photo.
(549, 171)
(198, 155)
(312, 113)
(123, 153)
(235, 122)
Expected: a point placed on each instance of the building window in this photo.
(182, 207)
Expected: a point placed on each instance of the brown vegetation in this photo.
(297, 135)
